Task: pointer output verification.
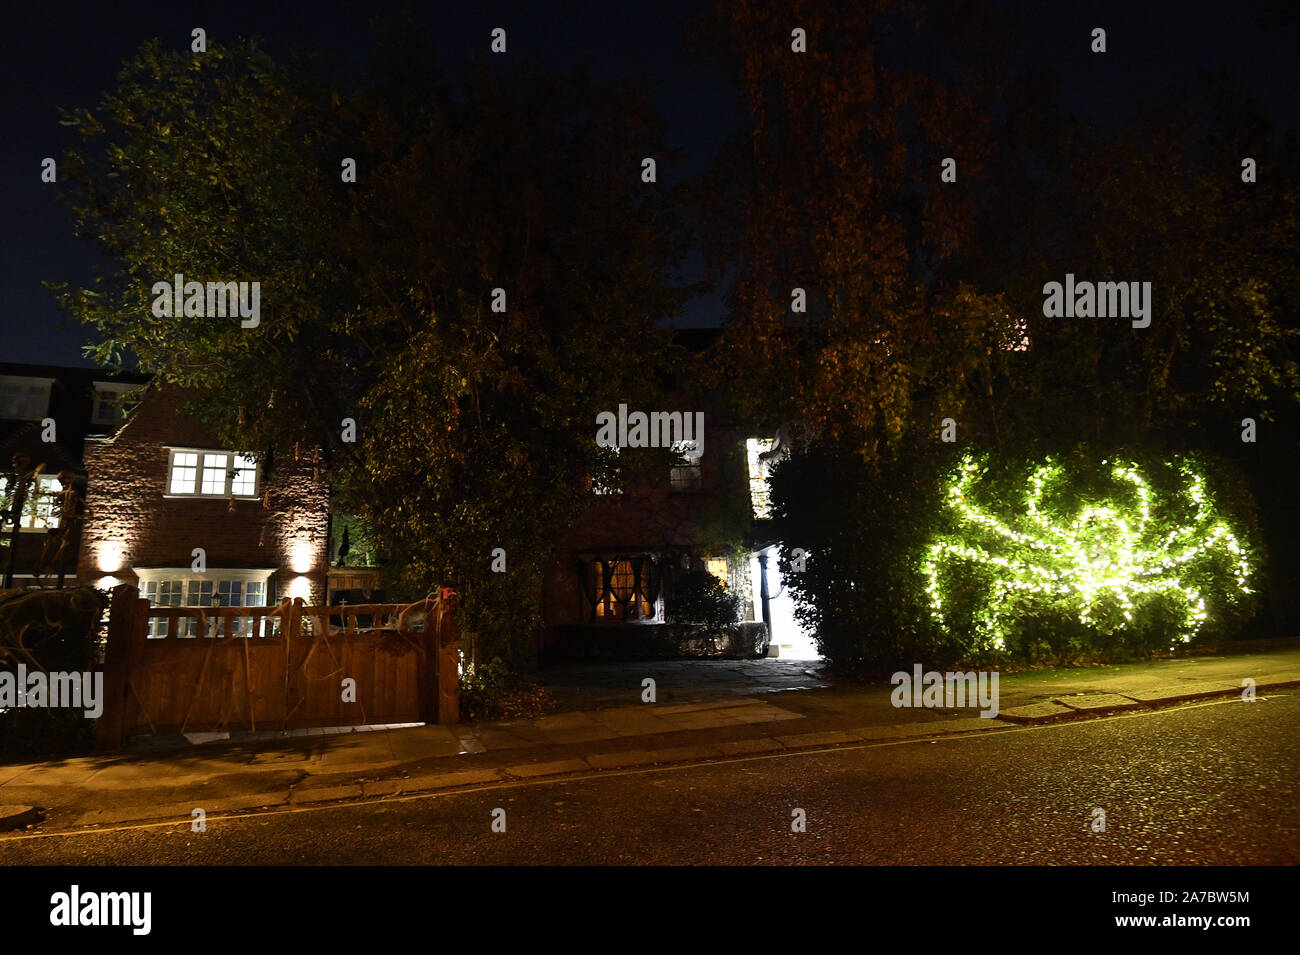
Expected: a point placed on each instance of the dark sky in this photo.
(64, 55)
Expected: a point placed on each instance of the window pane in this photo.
(214, 474)
(10, 399)
(229, 593)
(686, 478)
(245, 476)
(184, 470)
(199, 593)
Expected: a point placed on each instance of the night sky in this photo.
(64, 55)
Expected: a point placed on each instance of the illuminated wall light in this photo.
(301, 555)
(1105, 553)
(111, 556)
(300, 587)
(107, 583)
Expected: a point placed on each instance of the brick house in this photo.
(191, 523)
(613, 569)
(46, 414)
(162, 487)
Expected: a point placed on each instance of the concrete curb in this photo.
(1060, 709)
(330, 788)
(15, 817)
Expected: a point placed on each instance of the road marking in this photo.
(630, 771)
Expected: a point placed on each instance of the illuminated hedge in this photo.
(1100, 552)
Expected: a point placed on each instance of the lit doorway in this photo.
(790, 639)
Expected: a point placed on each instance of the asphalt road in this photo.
(1207, 784)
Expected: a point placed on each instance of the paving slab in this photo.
(531, 770)
(1186, 691)
(828, 738)
(306, 794)
(1098, 702)
(1036, 712)
(744, 747)
(468, 777)
(646, 757)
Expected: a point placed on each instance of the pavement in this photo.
(703, 711)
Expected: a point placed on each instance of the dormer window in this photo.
(107, 412)
(24, 398)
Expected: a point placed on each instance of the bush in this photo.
(934, 559)
(702, 602)
(860, 526)
(56, 630)
(492, 692)
(748, 639)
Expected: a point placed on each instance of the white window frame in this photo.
(25, 385)
(189, 579)
(760, 500)
(43, 490)
(196, 485)
(106, 393)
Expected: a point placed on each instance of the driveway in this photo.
(594, 685)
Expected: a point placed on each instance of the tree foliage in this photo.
(474, 427)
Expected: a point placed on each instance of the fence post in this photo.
(126, 627)
(448, 645)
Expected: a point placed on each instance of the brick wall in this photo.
(129, 516)
(655, 519)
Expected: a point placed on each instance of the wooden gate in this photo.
(202, 669)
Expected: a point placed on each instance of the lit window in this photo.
(212, 474)
(623, 589)
(184, 470)
(717, 566)
(217, 588)
(41, 509)
(759, 496)
(606, 480)
(244, 481)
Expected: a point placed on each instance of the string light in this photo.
(1109, 550)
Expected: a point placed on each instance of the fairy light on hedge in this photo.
(1108, 551)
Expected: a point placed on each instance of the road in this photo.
(1205, 784)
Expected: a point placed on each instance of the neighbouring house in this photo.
(47, 413)
(192, 523)
(613, 569)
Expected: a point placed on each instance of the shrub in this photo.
(56, 630)
(931, 557)
(493, 692)
(1105, 555)
(748, 639)
(701, 601)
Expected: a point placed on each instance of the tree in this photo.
(833, 188)
(489, 283)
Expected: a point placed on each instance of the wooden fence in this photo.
(285, 667)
